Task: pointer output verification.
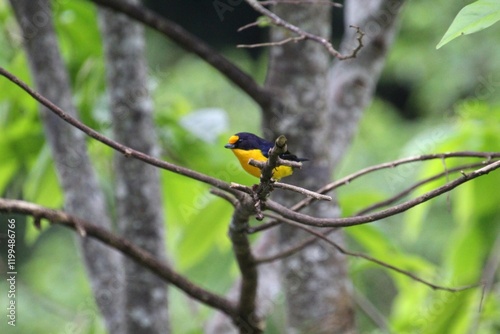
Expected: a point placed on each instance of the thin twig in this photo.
(392, 164)
(266, 177)
(349, 178)
(413, 187)
(127, 151)
(278, 21)
(242, 188)
(224, 195)
(301, 2)
(293, 249)
(371, 311)
(192, 44)
(302, 191)
(351, 221)
(277, 43)
(488, 279)
(308, 241)
(372, 259)
(280, 162)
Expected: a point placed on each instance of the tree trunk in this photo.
(82, 195)
(352, 82)
(138, 195)
(319, 114)
(315, 280)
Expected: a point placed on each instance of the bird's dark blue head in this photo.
(248, 141)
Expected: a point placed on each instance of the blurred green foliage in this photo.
(448, 241)
(472, 18)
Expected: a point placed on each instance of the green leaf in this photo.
(472, 18)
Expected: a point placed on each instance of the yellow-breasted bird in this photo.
(246, 146)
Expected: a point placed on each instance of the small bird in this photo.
(246, 146)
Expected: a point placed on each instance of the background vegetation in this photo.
(429, 101)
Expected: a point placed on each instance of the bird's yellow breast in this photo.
(245, 155)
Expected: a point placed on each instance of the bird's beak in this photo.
(231, 146)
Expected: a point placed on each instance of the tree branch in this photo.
(392, 164)
(302, 191)
(415, 186)
(246, 263)
(351, 221)
(192, 44)
(126, 247)
(308, 241)
(301, 34)
(372, 259)
(125, 150)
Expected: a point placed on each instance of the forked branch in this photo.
(300, 34)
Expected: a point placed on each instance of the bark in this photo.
(315, 280)
(82, 195)
(319, 113)
(268, 288)
(352, 82)
(138, 195)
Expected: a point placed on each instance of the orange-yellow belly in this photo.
(245, 155)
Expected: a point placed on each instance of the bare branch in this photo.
(371, 311)
(308, 241)
(126, 247)
(217, 192)
(280, 162)
(301, 34)
(192, 44)
(278, 43)
(292, 249)
(413, 187)
(246, 263)
(374, 260)
(301, 2)
(351, 221)
(127, 151)
(392, 164)
(302, 191)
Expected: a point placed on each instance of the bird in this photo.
(246, 146)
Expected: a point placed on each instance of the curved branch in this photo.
(308, 241)
(392, 164)
(349, 178)
(413, 187)
(372, 259)
(351, 221)
(301, 34)
(126, 247)
(125, 150)
(193, 44)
